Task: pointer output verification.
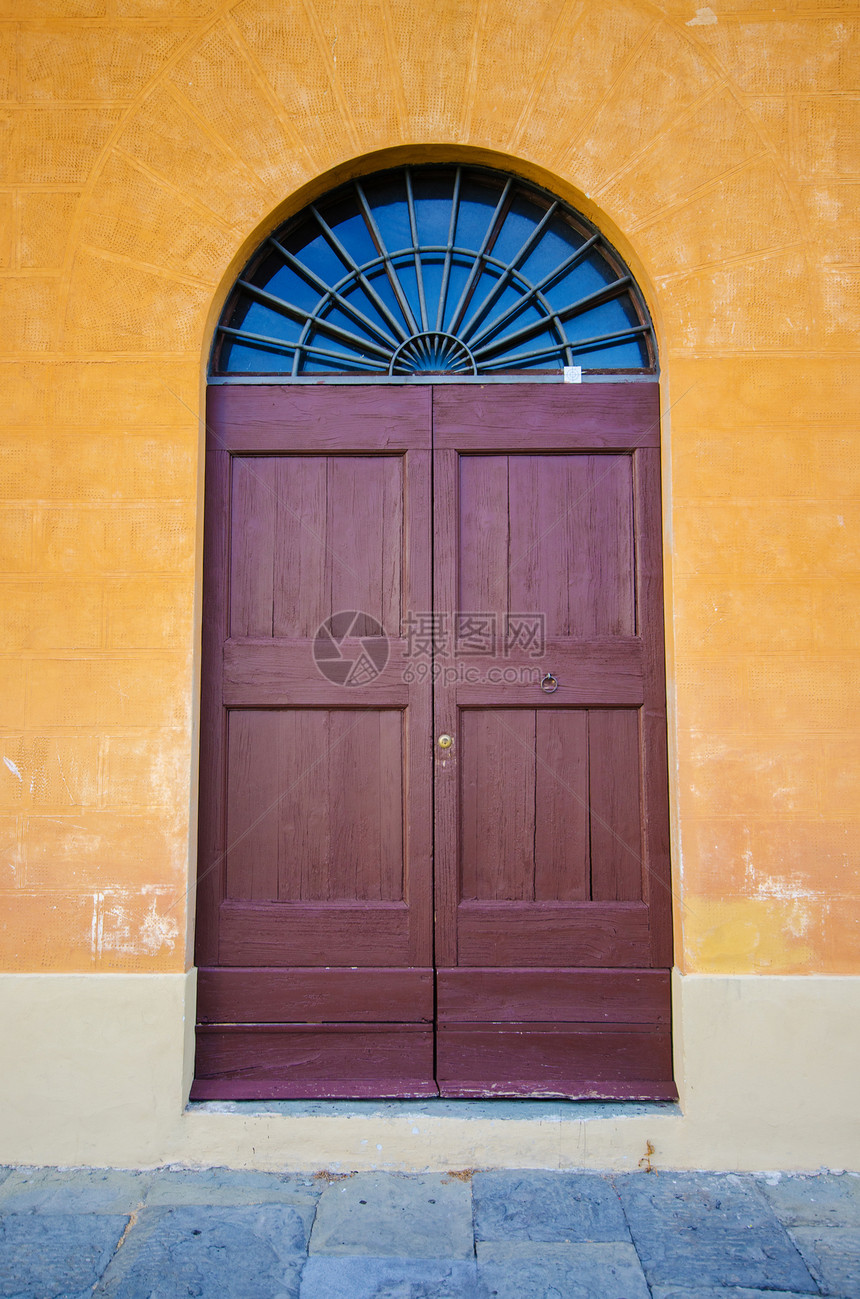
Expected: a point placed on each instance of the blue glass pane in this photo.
(518, 226)
(319, 343)
(608, 318)
(387, 201)
(351, 229)
(477, 204)
(583, 281)
(557, 243)
(457, 281)
(623, 356)
(259, 319)
(357, 297)
(381, 286)
(432, 267)
(525, 319)
(288, 286)
(433, 202)
(409, 283)
(242, 359)
(318, 254)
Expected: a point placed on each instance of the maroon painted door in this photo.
(315, 876)
(553, 938)
(316, 899)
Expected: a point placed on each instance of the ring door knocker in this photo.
(549, 684)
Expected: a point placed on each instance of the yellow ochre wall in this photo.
(146, 145)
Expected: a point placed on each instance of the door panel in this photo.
(333, 779)
(319, 779)
(563, 1059)
(316, 776)
(551, 851)
(525, 520)
(267, 1062)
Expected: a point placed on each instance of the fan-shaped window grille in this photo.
(424, 270)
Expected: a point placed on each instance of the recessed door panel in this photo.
(312, 536)
(550, 533)
(315, 805)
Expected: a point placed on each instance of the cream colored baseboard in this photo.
(97, 1070)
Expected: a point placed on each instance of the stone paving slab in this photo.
(534, 1270)
(823, 1199)
(230, 1252)
(710, 1229)
(333, 1277)
(832, 1255)
(535, 1205)
(56, 1255)
(79, 1190)
(232, 1186)
(391, 1215)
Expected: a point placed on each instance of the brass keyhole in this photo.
(445, 741)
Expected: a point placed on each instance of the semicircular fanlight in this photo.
(430, 270)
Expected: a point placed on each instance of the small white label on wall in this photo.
(573, 374)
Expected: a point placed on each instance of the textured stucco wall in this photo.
(145, 145)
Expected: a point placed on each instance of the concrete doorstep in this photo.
(515, 1234)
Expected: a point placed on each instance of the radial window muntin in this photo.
(518, 283)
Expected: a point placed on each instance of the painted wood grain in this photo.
(569, 1060)
(553, 995)
(555, 933)
(562, 849)
(322, 995)
(335, 1060)
(615, 810)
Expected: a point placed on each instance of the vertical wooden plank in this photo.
(561, 806)
(611, 521)
(469, 802)
(393, 490)
(616, 836)
(657, 879)
(498, 803)
(574, 541)
(301, 598)
(252, 533)
(539, 562)
(253, 804)
(389, 875)
(304, 822)
(346, 786)
(483, 534)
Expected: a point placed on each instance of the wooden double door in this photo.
(433, 829)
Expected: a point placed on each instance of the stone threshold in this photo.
(439, 1108)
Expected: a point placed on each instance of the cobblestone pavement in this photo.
(519, 1234)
